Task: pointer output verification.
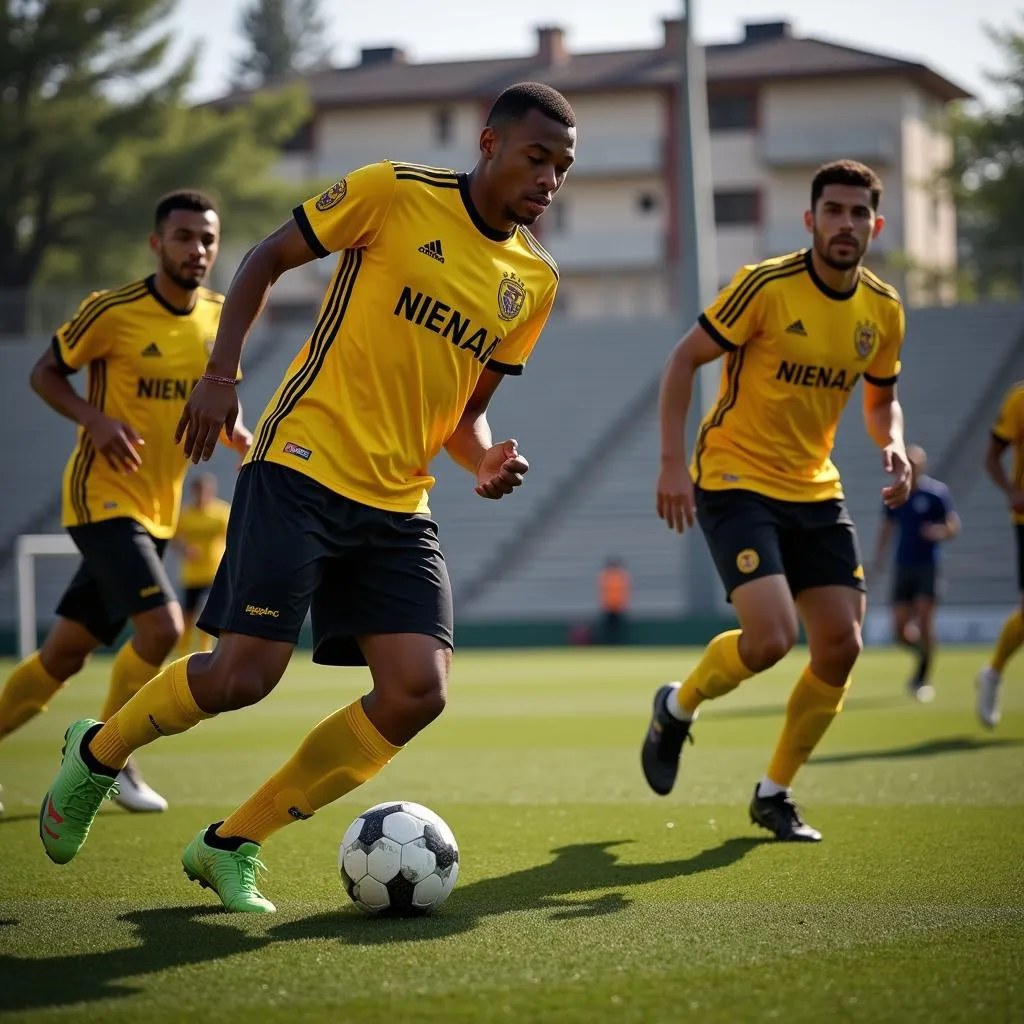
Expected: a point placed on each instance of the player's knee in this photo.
(768, 646)
(62, 665)
(157, 632)
(844, 646)
(420, 696)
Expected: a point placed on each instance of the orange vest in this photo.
(614, 587)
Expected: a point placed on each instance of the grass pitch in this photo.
(582, 896)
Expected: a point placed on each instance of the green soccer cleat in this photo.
(69, 807)
(231, 874)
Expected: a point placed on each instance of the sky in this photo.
(953, 43)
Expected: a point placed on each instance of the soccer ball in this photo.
(398, 858)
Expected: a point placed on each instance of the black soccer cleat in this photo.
(663, 744)
(779, 814)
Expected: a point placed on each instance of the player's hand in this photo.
(117, 442)
(210, 409)
(895, 462)
(675, 495)
(241, 441)
(1017, 502)
(500, 470)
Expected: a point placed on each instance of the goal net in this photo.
(27, 548)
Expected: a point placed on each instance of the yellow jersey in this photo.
(1009, 428)
(795, 351)
(423, 297)
(204, 530)
(143, 359)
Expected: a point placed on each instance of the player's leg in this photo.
(924, 617)
(1011, 637)
(742, 533)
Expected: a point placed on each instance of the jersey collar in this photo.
(151, 285)
(474, 214)
(824, 288)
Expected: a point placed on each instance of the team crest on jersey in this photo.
(864, 337)
(748, 560)
(332, 196)
(511, 296)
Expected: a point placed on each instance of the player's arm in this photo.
(498, 468)
(883, 541)
(1007, 426)
(883, 419)
(239, 439)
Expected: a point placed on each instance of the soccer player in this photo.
(926, 520)
(201, 538)
(1007, 432)
(799, 333)
(144, 346)
(440, 291)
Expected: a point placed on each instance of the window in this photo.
(737, 208)
(443, 126)
(732, 111)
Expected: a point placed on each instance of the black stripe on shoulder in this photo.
(100, 305)
(539, 250)
(510, 369)
(61, 365)
(426, 170)
(785, 270)
(996, 436)
(881, 288)
(755, 275)
(315, 245)
(705, 321)
(881, 382)
(423, 180)
(215, 297)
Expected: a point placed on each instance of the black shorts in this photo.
(811, 543)
(294, 546)
(122, 573)
(194, 598)
(910, 582)
(1020, 556)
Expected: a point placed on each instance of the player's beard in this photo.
(823, 247)
(176, 273)
(520, 218)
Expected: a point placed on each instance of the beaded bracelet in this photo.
(214, 379)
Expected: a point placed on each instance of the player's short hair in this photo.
(518, 100)
(846, 172)
(182, 199)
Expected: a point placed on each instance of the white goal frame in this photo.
(27, 548)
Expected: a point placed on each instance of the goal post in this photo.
(27, 548)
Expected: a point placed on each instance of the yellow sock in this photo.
(812, 706)
(163, 707)
(719, 670)
(128, 675)
(1010, 639)
(28, 690)
(341, 753)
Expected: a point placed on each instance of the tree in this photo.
(988, 174)
(93, 129)
(284, 37)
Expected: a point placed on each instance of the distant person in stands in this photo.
(143, 347)
(613, 586)
(925, 521)
(201, 539)
(1007, 432)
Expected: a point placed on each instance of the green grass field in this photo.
(582, 896)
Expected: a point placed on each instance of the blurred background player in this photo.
(799, 333)
(144, 347)
(922, 523)
(613, 593)
(1007, 432)
(201, 537)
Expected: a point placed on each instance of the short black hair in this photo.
(182, 199)
(519, 99)
(846, 172)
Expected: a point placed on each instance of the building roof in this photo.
(768, 51)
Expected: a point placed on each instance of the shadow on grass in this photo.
(773, 710)
(174, 937)
(927, 748)
(10, 819)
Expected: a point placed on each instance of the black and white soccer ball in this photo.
(398, 858)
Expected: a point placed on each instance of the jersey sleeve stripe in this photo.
(426, 170)
(423, 180)
(725, 403)
(92, 312)
(705, 321)
(881, 382)
(884, 291)
(877, 284)
(777, 275)
(314, 243)
(320, 342)
(751, 280)
(539, 250)
(511, 369)
(61, 365)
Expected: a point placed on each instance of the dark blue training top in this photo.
(929, 502)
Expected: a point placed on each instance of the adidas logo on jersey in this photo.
(433, 249)
(797, 327)
(151, 350)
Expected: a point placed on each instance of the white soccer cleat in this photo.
(988, 697)
(133, 792)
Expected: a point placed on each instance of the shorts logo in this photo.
(511, 296)
(150, 591)
(332, 196)
(748, 560)
(858, 573)
(290, 448)
(261, 612)
(864, 337)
